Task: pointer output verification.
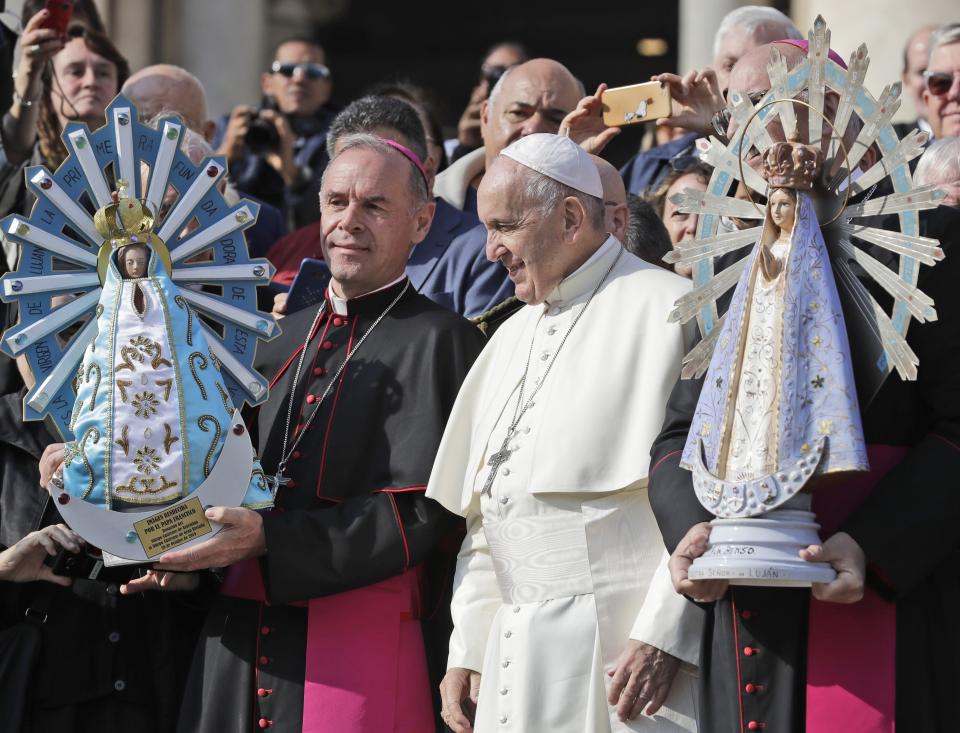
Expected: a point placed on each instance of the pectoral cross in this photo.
(496, 460)
(275, 482)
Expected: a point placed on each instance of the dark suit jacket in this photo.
(451, 268)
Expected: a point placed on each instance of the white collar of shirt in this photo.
(340, 304)
(585, 278)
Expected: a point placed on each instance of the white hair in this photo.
(940, 162)
(945, 34)
(546, 194)
(751, 18)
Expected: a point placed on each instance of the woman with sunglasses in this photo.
(59, 79)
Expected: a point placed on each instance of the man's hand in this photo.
(468, 128)
(235, 136)
(23, 563)
(696, 99)
(692, 546)
(459, 692)
(50, 462)
(585, 124)
(279, 305)
(161, 580)
(641, 680)
(241, 538)
(846, 557)
(282, 159)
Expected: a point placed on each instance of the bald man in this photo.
(166, 88)
(531, 97)
(616, 216)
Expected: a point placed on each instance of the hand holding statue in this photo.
(692, 546)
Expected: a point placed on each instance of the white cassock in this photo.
(563, 561)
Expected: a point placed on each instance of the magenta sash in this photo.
(366, 670)
(851, 652)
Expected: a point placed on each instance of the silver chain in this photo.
(284, 454)
(519, 412)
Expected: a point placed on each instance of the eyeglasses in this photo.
(939, 82)
(311, 70)
(492, 73)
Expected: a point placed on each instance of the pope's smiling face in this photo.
(522, 237)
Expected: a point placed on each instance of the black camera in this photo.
(262, 136)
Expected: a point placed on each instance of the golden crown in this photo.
(126, 221)
(792, 165)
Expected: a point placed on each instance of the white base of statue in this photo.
(763, 550)
(116, 533)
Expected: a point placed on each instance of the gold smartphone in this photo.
(636, 103)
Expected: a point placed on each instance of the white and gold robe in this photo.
(563, 561)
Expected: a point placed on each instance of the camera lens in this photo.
(262, 136)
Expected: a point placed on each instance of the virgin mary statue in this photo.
(152, 411)
(779, 404)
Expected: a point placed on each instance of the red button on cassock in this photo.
(263, 692)
(326, 345)
(754, 725)
(291, 484)
(746, 615)
(264, 723)
(296, 455)
(749, 688)
(749, 651)
(337, 321)
(311, 399)
(264, 630)
(319, 372)
(264, 660)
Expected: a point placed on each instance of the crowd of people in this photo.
(483, 523)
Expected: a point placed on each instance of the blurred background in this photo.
(228, 43)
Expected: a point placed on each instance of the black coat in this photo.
(108, 662)
(354, 512)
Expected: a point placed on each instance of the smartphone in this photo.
(309, 285)
(60, 12)
(636, 103)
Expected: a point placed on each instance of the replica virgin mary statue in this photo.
(152, 411)
(779, 404)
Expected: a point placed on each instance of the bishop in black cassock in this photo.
(319, 628)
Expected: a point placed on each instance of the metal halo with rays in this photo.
(885, 333)
(59, 247)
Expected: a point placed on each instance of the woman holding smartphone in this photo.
(60, 78)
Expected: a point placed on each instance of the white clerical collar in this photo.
(340, 304)
(585, 278)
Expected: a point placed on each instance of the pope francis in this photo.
(564, 619)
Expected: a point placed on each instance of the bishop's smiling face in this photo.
(523, 238)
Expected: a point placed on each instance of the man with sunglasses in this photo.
(496, 61)
(277, 152)
(941, 81)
